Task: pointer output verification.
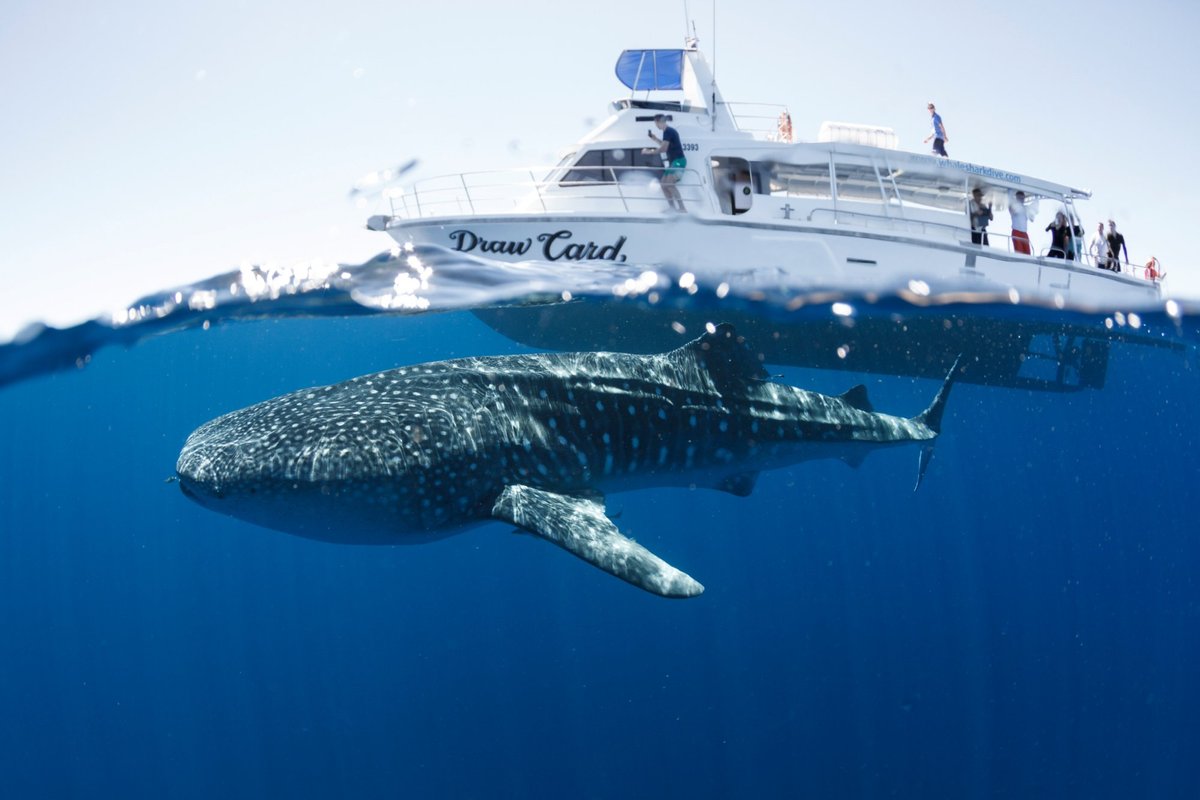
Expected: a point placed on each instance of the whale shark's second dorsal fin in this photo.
(578, 524)
(726, 357)
(856, 396)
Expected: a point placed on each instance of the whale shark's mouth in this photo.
(200, 495)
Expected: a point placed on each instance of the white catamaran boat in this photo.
(849, 211)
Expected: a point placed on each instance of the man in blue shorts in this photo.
(669, 144)
(938, 134)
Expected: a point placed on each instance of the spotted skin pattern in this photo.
(420, 452)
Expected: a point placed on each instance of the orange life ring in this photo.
(785, 127)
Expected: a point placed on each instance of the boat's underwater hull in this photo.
(1025, 354)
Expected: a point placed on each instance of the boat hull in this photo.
(792, 256)
(1005, 350)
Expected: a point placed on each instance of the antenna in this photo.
(690, 39)
(712, 113)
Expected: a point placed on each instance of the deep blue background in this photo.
(1027, 624)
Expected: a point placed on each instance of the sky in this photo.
(149, 144)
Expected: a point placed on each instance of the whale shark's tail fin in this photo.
(932, 418)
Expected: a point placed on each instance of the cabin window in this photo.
(793, 180)
(630, 161)
(607, 166)
(942, 192)
(587, 169)
(858, 182)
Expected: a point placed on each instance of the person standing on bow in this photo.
(938, 134)
(673, 147)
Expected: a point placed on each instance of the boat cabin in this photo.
(743, 164)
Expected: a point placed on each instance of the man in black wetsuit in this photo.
(1116, 244)
(669, 144)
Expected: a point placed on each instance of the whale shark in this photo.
(537, 441)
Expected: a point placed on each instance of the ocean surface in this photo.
(1026, 624)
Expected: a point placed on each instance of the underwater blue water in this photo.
(1027, 624)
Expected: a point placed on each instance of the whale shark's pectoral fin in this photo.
(855, 458)
(578, 524)
(740, 485)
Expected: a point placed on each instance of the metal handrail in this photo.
(533, 180)
(1139, 270)
(770, 131)
(1128, 268)
(477, 190)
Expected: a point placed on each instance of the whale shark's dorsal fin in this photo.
(726, 357)
(578, 524)
(856, 396)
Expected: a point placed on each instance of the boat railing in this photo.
(962, 233)
(1129, 268)
(760, 120)
(561, 190)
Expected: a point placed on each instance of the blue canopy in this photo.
(645, 70)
